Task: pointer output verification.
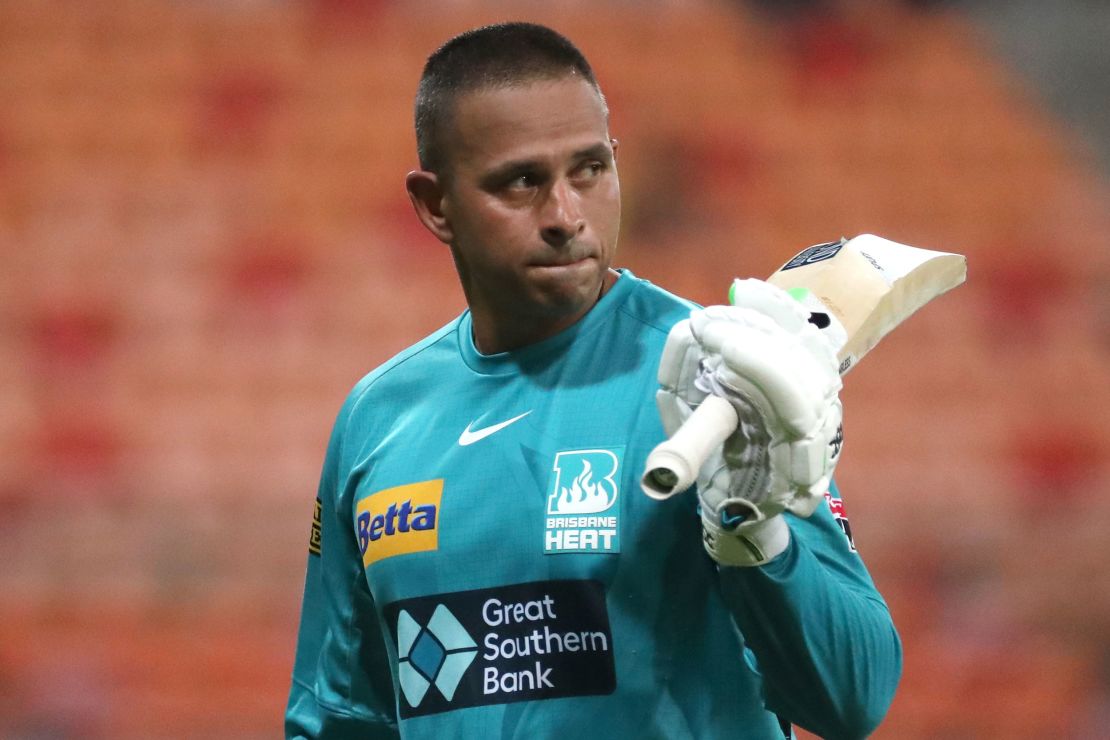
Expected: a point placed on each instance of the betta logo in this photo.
(398, 521)
(582, 502)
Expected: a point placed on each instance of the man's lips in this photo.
(566, 262)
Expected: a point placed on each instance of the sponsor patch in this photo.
(528, 641)
(816, 253)
(399, 521)
(583, 502)
(836, 506)
(314, 536)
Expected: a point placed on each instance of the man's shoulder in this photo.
(411, 365)
(654, 306)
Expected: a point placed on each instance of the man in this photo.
(483, 565)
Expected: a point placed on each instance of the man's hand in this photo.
(780, 374)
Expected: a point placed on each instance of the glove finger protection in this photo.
(678, 368)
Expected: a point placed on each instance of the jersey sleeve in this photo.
(817, 631)
(342, 687)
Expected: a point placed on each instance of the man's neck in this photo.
(492, 336)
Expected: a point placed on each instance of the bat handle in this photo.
(673, 465)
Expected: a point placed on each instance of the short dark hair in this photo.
(493, 56)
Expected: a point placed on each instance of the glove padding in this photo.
(780, 374)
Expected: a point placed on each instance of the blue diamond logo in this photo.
(427, 655)
(438, 653)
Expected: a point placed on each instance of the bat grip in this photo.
(673, 465)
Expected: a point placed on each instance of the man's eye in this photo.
(591, 169)
(522, 182)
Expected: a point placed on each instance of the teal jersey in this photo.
(484, 565)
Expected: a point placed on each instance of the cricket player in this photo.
(483, 563)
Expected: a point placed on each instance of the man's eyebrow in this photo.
(509, 170)
(600, 151)
(516, 167)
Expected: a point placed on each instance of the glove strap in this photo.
(751, 543)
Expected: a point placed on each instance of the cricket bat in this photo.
(857, 291)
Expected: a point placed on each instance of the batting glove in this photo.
(780, 374)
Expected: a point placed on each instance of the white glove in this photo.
(780, 374)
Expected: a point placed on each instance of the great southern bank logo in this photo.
(583, 502)
(518, 642)
(437, 653)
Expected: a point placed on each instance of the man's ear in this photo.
(426, 193)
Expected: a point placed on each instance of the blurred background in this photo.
(205, 242)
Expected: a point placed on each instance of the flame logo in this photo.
(584, 495)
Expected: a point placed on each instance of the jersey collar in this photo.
(543, 352)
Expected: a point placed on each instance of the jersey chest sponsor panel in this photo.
(569, 499)
(519, 642)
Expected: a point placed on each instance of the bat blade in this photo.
(864, 287)
(870, 285)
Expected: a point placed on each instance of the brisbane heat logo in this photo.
(583, 502)
(398, 521)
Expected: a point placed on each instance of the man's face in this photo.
(532, 201)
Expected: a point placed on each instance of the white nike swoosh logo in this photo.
(470, 436)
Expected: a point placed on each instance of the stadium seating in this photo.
(206, 242)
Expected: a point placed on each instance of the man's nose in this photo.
(561, 217)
